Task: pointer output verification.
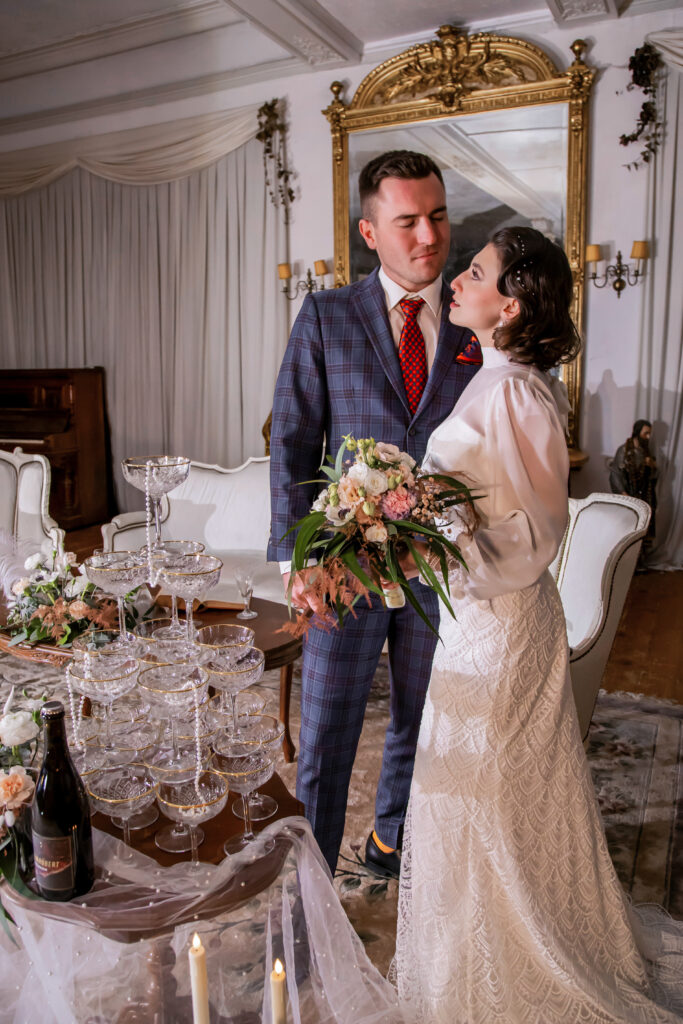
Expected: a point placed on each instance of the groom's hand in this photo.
(303, 598)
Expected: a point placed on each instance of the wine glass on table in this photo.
(258, 732)
(190, 577)
(117, 573)
(171, 551)
(156, 475)
(244, 774)
(120, 793)
(193, 802)
(244, 578)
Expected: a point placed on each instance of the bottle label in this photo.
(55, 863)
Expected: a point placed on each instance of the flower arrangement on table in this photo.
(373, 508)
(55, 602)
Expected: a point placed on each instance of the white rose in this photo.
(19, 586)
(17, 727)
(373, 480)
(33, 561)
(388, 452)
(377, 533)
(320, 503)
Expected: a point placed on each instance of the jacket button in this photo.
(412, 432)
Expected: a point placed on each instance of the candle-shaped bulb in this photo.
(196, 941)
(278, 967)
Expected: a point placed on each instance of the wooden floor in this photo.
(647, 656)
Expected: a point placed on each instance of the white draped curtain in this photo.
(158, 262)
(660, 388)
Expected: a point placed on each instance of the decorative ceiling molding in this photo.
(153, 96)
(304, 28)
(194, 16)
(566, 11)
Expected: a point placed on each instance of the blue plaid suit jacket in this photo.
(341, 375)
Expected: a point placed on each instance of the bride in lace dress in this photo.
(510, 911)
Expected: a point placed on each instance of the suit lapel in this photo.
(371, 305)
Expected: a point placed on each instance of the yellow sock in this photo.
(383, 847)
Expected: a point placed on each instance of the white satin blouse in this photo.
(505, 438)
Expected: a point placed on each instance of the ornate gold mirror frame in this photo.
(455, 75)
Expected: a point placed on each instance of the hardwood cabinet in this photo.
(61, 414)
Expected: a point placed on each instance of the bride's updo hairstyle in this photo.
(536, 272)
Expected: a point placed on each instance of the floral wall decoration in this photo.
(273, 134)
(645, 65)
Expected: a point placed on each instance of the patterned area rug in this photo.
(635, 751)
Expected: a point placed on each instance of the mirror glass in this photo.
(500, 168)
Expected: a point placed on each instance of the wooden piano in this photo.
(61, 414)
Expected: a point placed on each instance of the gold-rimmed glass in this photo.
(171, 550)
(121, 792)
(117, 573)
(258, 732)
(190, 577)
(194, 802)
(175, 838)
(232, 640)
(231, 678)
(104, 680)
(244, 775)
(156, 475)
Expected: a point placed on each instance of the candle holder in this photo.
(619, 274)
(307, 284)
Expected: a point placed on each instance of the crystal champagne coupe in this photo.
(172, 550)
(190, 577)
(230, 677)
(104, 680)
(244, 578)
(191, 803)
(258, 732)
(244, 774)
(121, 792)
(116, 573)
(156, 475)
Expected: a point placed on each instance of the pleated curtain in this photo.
(171, 286)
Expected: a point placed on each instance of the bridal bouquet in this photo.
(375, 505)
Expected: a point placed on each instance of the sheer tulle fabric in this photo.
(102, 955)
(510, 911)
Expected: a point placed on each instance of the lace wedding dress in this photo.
(510, 911)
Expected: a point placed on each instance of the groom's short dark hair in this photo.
(397, 163)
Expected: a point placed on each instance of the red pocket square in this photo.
(471, 353)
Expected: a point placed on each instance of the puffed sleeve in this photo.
(527, 499)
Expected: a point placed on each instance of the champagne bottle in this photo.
(60, 821)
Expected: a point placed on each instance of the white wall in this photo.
(616, 214)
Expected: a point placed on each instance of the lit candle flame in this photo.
(196, 941)
(279, 969)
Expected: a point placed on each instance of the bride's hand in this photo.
(303, 598)
(407, 562)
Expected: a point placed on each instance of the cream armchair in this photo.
(24, 500)
(228, 510)
(593, 571)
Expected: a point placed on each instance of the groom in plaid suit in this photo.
(380, 359)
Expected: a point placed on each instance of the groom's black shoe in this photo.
(384, 865)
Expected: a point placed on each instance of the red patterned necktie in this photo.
(411, 352)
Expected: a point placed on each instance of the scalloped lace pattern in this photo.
(510, 911)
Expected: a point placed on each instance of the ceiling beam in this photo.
(304, 28)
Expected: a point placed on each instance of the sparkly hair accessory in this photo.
(522, 244)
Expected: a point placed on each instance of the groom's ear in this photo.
(367, 230)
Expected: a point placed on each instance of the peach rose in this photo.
(16, 788)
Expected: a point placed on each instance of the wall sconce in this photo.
(307, 285)
(619, 273)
